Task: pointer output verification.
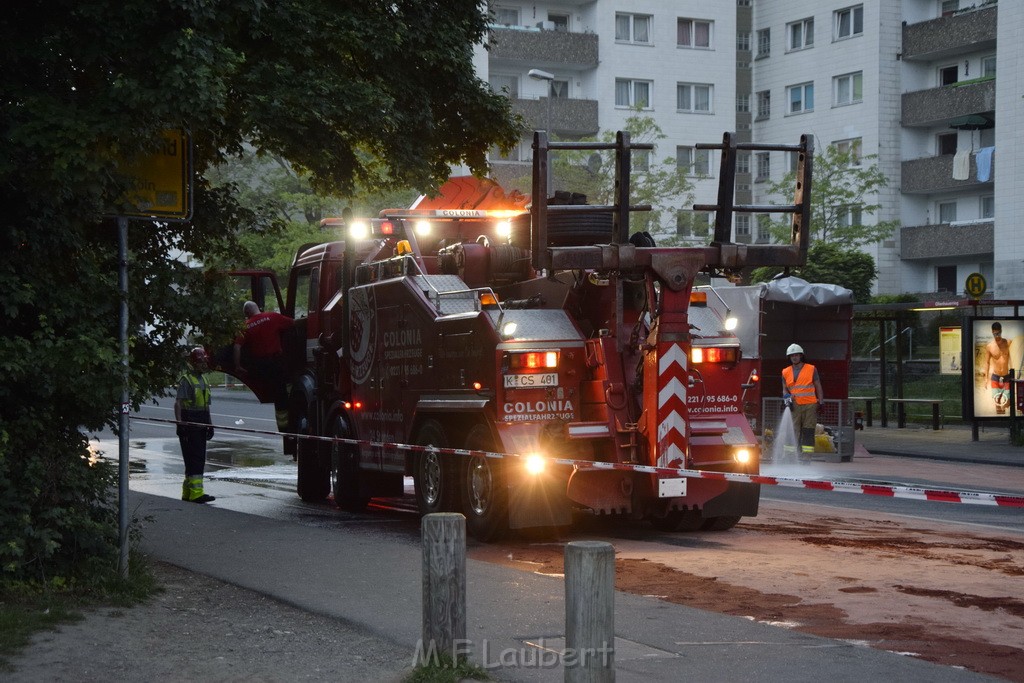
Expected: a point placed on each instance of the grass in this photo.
(27, 609)
(443, 670)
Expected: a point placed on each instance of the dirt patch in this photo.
(871, 580)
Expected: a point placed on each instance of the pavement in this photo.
(516, 620)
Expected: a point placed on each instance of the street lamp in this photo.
(538, 75)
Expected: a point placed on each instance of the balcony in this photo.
(935, 174)
(935, 105)
(947, 240)
(522, 46)
(948, 36)
(569, 117)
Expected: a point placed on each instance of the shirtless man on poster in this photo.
(999, 369)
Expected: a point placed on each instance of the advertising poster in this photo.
(998, 346)
(950, 350)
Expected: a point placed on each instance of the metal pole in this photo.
(122, 460)
(550, 188)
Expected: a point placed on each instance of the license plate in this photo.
(546, 379)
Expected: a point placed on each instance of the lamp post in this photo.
(538, 75)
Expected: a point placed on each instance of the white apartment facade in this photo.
(911, 82)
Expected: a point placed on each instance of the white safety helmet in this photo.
(794, 348)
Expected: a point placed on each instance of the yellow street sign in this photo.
(975, 285)
(160, 180)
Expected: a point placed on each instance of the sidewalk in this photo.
(373, 583)
(952, 443)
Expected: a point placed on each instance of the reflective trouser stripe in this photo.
(192, 488)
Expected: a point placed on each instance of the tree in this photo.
(374, 95)
(660, 184)
(841, 186)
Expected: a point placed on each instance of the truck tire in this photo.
(434, 473)
(484, 492)
(572, 230)
(679, 520)
(349, 490)
(314, 476)
(723, 523)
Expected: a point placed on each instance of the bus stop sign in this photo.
(975, 285)
(160, 180)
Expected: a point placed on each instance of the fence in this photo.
(835, 415)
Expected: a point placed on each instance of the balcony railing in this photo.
(568, 116)
(947, 240)
(541, 48)
(946, 36)
(935, 174)
(935, 105)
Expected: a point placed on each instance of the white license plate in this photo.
(546, 379)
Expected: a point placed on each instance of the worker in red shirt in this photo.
(264, 354)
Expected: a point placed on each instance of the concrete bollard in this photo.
(444, 584)
(589, 612)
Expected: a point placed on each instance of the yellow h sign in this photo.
(161, 187)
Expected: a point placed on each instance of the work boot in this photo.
(205, 498)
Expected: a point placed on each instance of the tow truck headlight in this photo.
(742, 455)
(504, 228)
(359, 230)
(534, 463)
(422, 228)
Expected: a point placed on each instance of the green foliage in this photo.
(839, 200)
(831, 264)
(663, 185)
(370, 95)
(443, 669)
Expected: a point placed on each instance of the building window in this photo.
(948, 7)
(511, 155)
(764, 104)
(988, 67)
(793, 161)
(693, 33)
(764, 42)
(948, 75)
(801, 34)
(743, 104)
(849, 88)
(561, 21)
(988, 206)
(742, 223)
(743, 41)
(764, 228)
(743, 3)
(743, 162)
(641, 160)
(693, 161)
(848, 215)
(506, 16)
(633, 28)
(851, 147)
(693, 97)
(945, 278)
(945, 143)
(504, 84)
(849, 22)
(947, 212)
(801, 98)
(631, 93)
(692, 223)
(764, 167)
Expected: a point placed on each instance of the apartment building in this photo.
(911, 83)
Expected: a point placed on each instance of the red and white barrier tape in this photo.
(888, 490)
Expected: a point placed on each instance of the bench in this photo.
(901, 415)
(868, 400)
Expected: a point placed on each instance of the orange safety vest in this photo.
(802, 389)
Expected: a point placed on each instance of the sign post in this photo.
(161, 190)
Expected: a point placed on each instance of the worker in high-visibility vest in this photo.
(192, 413)
(801, 393)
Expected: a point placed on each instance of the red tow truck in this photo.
(480, 322)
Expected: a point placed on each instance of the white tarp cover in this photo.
(794, 290)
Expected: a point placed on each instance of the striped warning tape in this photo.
(887, 490)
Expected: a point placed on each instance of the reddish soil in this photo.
(940, 593)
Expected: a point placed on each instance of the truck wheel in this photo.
(484, 493)
(723, 523)
(679, 520)
(349, 494)
(568, 230)
(433, 473)
(314, 480)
